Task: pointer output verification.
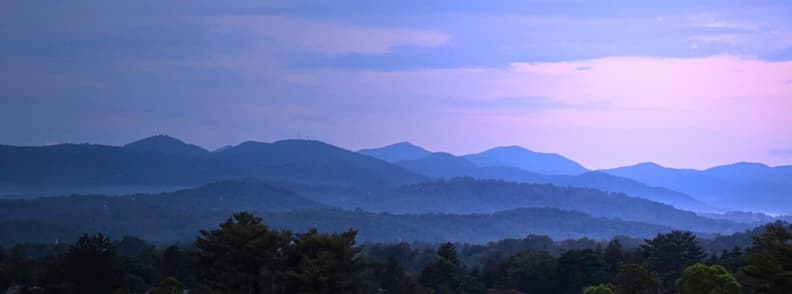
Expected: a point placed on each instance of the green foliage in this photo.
(530, 271)
(769, 268)
(580, 268)
(444, 273)
(241, 255)
(599, 289)
(635, 279)
(669, 254)
(324, 263)
(703, 279)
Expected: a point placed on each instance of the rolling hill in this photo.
(177, 216)
(444, 165)
(743, 186)
(468, 195)
(516, 156)
(396, 152)
(164, 161)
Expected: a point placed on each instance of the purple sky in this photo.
(606, 84)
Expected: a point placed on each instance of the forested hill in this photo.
(468, 195)
(743, 186)
(444, 165)
(505, 210)
(166, 161)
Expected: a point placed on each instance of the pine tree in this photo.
(394, 278)
(241, 256)
(444, 273)
(91, 265)
(613, 255)
(580, 268)
(669, 255)
(324, 263)
(769, 268)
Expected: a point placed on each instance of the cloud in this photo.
(330, 38)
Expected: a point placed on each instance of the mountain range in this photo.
(177, 216)
(444, 165)
(295, 183)
(740, 186)
(744, 186)
(165, 161)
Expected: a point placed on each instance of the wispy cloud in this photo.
(330, 38)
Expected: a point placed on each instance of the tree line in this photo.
(244, 255)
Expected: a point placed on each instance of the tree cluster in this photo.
(243, 255)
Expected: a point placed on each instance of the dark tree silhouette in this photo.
(324, 263)
(581, 268)
(444, 273)
(769, 268)
(91, 265)
(241, 256)
(635, 279)
(669, 254)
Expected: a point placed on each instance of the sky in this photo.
(606, 83)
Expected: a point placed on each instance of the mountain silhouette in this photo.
(153, 161)
(397, 152)
(741, 186)
(167, 145)
(444, 165)
(515, 156)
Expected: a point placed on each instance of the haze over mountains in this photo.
(739, 186)
(744, 186)
(402, 187)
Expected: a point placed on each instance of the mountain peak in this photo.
(514, 148)
(520, 157)
(397, 152)
(167, 145)
(648, 164)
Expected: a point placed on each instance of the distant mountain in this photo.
(473, 228)
(166, 145)
(444, 165)
(467, 195)
(227, 195)
(740, 186)
(177, 216)
(156, 215)
(86, 164)
(162, 160)
(441, 165)
(311, 161)
(396, 152)
(515, 156)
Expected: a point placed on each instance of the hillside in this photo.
(516, 156)
(166, 145)
(468, 195)
(741, 186)
(444, 165)
(396, 152)
(164, 161)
